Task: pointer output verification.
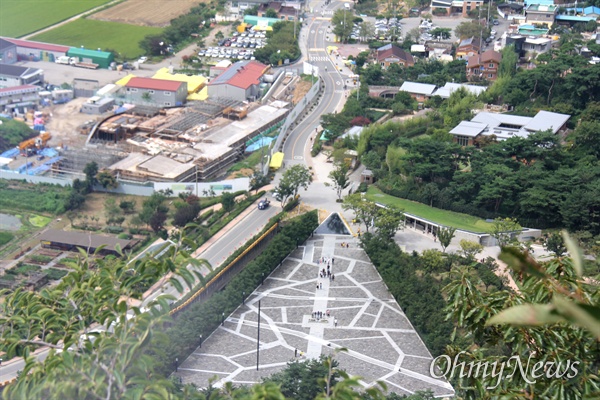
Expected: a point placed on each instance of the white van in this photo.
(347, 6)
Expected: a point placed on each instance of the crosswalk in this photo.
(318, 58)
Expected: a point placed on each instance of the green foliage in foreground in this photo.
(554, 318)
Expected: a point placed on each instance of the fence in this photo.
(295, 113)
(35, 178)
(229, 271)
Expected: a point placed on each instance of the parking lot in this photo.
(240, 46)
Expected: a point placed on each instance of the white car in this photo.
(143, 59)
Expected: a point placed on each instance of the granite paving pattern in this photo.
(378, 340)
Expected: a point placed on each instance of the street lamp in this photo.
(222, 319)
(176, 364)
(243, 297)
(200, 346)
(263, 279)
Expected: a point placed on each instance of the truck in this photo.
(75, 62)
(38, 142)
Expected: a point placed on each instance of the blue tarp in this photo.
(38, 170)
(264, 141)
(121, 110)
(12, 153)
(23, 168)
(48, 152)
(53, 160)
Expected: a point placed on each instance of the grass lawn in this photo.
(93, 34)
(5, 237)
(19, 18)
(39, 221)
(443, 217)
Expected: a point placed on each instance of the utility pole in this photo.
(258, 338)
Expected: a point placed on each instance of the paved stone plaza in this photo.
(381, 343)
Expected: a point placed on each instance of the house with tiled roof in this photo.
(468, 48)
(391, 54)
(159, 92)
(484, 66)
(239, 82)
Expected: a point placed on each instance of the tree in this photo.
(258, 180)
(556, 244)
(340, 179)
(470, 249)
(365, 211)
(283, 191)
(366, 31)
(271, 13)
(154, 212)
(128, 206)
(469, 29)
(298, 176)
(442, 33)
(342, 24)
(227, 201)
(186, 213)
(551, 319)
(389, 220)
(153, 44)
(100, 363)
(90, 171)
(508, 64)
(111, 210)
(107, 180)
(505, 231)
(252, 10)
(445, 236)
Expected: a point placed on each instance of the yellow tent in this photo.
(201, 95)
(194, 83)
(261, 28)
(125, 80)
(276, 161)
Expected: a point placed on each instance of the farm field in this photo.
(444, 217)
(93, 34)
(146, 12)
(19, 18)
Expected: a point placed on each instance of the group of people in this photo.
(346, 245)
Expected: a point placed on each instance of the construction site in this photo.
(182, 144)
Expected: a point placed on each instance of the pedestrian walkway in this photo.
(306, 312)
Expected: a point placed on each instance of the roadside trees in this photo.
(339, 179)
(293, 179)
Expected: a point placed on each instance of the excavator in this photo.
(38, 142)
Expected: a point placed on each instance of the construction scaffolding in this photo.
(74, 161)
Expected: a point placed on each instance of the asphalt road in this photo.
(297, 146)
(228, 243)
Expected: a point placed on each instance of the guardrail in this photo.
(217, 280)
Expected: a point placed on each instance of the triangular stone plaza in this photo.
(357, 312)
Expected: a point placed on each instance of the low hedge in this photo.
(203, 318)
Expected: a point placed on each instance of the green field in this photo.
(39, 221)
(20, 17)
(443, 217)
(93, 34)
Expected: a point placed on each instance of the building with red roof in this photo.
(484, 66)
(30, 50)
(159, 92)
(240, 81)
